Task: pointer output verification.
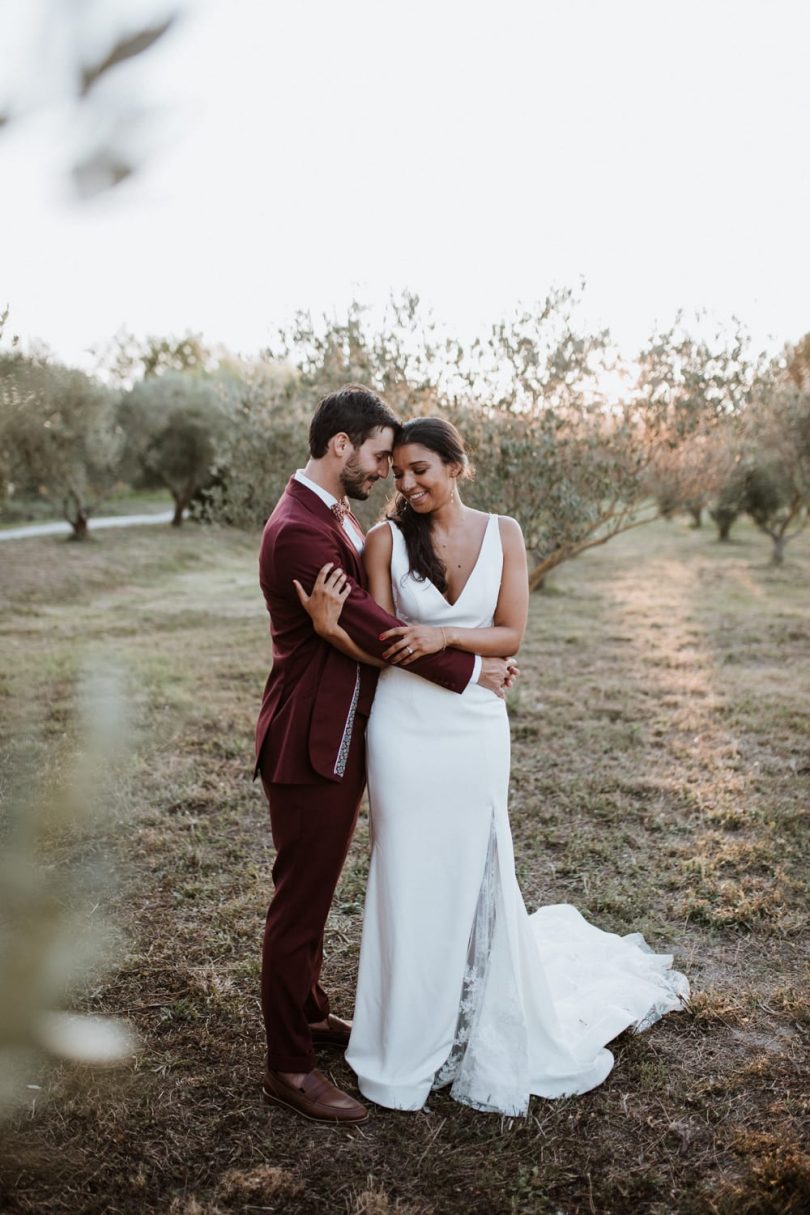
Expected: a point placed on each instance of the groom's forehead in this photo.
(381, 440)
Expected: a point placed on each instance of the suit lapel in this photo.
(316, 506)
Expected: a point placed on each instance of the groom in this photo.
(310, 736)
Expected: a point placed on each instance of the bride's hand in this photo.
(324, 605)
(412, 641)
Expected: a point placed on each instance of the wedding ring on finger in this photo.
(410, 650)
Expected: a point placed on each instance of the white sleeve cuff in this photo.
(476, 671)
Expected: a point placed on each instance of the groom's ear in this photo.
(339, 444)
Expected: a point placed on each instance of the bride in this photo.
(458, 985)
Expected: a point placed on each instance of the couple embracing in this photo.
(392, 653)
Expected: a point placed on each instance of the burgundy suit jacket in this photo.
(314, 692)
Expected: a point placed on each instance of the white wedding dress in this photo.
(457, 983)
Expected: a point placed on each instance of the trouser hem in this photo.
(291, 1063)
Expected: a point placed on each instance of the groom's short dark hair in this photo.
(352, 410)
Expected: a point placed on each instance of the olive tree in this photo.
(546, 446)
(175, 425)
(694, 392)
(776, 483)
(695, 473)
(574, 465)
(60, 435)
(729, 500)
(571, 479)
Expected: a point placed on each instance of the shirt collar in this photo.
(322, 493)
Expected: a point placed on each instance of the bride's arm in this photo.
(503, 639)
(377, 560)
(331, 590)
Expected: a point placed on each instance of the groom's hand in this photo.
(498, 674)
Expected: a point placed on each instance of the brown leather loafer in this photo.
(316, 1099)
(337, 1034)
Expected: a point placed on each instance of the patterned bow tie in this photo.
(340, 510)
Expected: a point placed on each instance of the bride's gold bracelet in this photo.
(444, 639)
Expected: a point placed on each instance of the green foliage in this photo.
(775, 489)
(127, 359)
(400, 356)
(694, 392)
(574, 466)
(58, 435)
(524, 398)
(268, 421)
(686, 383)
(571, 478)
(764, 492)
(175, 425)
(691, 475)
(771, 497)
(272, 399)
(730, 501)
(769, 477)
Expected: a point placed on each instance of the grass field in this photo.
(660, 778)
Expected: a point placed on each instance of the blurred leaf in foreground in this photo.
(50, 885)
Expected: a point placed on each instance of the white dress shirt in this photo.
(351, 531)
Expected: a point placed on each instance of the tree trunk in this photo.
(778, 553)
(179, 507)
(696, 515)
(724, 518)
(79, 523)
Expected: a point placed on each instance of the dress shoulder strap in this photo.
(399, 551)
(494, 553)
(492, 534)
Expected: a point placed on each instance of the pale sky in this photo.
(299, 154)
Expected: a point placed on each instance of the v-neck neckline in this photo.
(471, 574)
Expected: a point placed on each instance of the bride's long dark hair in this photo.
(442, 438)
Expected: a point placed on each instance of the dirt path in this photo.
(31, 530)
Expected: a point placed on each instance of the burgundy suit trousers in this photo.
(312, 828)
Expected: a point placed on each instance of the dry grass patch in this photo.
(659, 782)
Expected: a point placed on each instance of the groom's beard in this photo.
(355, 480)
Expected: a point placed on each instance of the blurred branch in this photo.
(126, 48)
(113, 118)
